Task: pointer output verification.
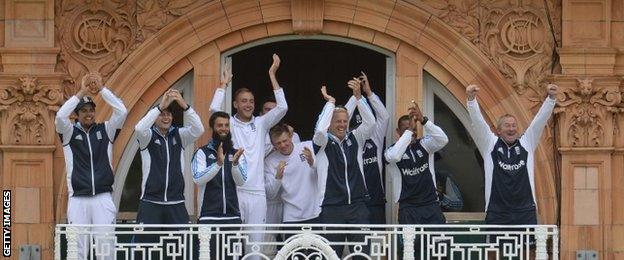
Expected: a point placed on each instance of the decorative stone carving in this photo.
(307, 16)
(586, 109)
(97, 36)
(94, 36)
(27, 110)
(517, 39)
(154, 15)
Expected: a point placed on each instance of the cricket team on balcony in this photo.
(254, 170)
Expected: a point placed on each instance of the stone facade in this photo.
(510, 48)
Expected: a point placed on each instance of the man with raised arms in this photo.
(249, 133)
(508, 161)
(413, 176)
(372, 154)
(342, 189)
(87, 148)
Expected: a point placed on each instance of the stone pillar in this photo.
(30, 93)
(589, 117)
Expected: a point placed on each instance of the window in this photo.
(460, 158)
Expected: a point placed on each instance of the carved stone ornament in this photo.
(27, 111)
(586, 110)
(517, 40)
(94, 35)
(154, 15)
(98, 35)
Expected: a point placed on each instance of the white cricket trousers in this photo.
(98, 209)
(273, 216)
(253, 207)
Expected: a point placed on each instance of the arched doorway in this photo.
(420, 42)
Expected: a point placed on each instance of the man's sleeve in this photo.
(278, 112)
(62, 123)
(143, 127)
(364, 130)
(239, 172)
(395, 152)
(271, 184)
(217, 100)
(192, 129)
(435, 139)
(204, 169)
(117, 119)
(534, 132)
(382, 119)
(482, 131)
(322, 125)
(350, 106)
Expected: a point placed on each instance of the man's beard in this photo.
(226, 140)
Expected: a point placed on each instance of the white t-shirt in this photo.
(251, 136)
(298, 187)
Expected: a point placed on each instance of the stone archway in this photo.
(419, 39)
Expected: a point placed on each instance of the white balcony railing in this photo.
(306, 242)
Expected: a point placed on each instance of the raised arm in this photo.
(93, 82)
(381, 120)
(193, 127)
(324, 120)
(218, 99)
(350, 106)
(364, 130)
(204, 171)
(143, 127)
(382, 115)
(534, 132)
(61, 121)
(483, 133)
(117, 119)
(395, 152)
(435, 138)
(276, 114)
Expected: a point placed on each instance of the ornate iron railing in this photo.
(306, 242)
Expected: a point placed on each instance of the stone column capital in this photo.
(587, 107)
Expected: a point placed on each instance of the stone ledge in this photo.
(28, 148)
(581, 61)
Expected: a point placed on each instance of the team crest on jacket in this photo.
(211, 156)
(230, 157)
(98, 134)
(420, 154)
(174, 142)
(369, 146)
(349, 142)
(500, 150)
(302, 157)
(517, 150)
(157, 142)
(405, 157)
(78, 137)
(253, 127)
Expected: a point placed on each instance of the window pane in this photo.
(460, 158)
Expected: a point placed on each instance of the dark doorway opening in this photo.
(306, 66)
